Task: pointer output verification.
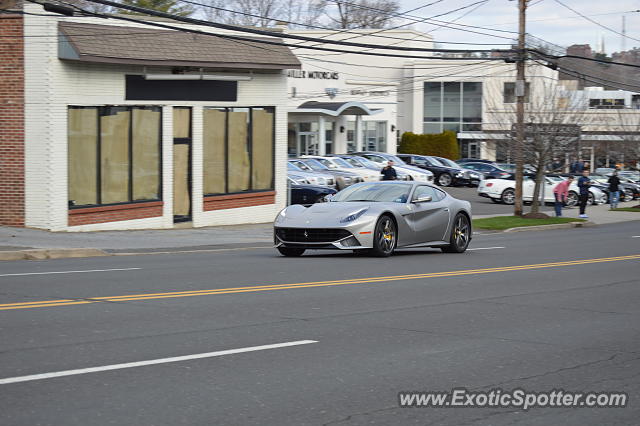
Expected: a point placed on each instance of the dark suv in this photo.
(443, 175)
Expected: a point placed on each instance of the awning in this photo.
(335, 109)
(146, 46)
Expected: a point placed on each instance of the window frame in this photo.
(99, 110)
(227, 109)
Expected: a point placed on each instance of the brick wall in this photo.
(117, 213)
(11, 121)
(222, 202)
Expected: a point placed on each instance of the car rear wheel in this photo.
(509, 196)
(591, 200)
(460, 235)
(628, 195)
(384, 238)
(291, 251)
(444, 179)
(572, 199)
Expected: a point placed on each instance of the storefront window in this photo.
(238, 151)
(113, 154)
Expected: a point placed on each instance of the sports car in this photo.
(377, 218)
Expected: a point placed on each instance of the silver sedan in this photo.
(377, 217)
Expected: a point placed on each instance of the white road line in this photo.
(636, 236)
(69, 272)
(485, 248)
(150, 362)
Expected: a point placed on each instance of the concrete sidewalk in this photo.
(38, 244)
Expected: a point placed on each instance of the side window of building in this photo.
(113, 154)
(238, 149)
(510, 92)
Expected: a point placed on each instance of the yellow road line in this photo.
(174, 294)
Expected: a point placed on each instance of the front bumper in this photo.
(316, 238)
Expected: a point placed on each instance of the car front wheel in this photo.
(460, 235)
(444, 179)
(384, 238)
(291, 251)
(509, 196)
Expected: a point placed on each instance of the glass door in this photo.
(307, 143)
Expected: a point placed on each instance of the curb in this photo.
(550, 227)
(42, 254)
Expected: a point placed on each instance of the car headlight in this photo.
(321, 181)
(460, 174)
(353, 216)
(347, 180)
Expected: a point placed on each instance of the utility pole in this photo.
(520, 98)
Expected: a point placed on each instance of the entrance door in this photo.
(474, 152)
(307, 143)
(181, 164)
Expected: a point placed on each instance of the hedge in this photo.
(441, 144)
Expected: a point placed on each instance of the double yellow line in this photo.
(149, 296)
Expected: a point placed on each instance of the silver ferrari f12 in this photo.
(377, 218)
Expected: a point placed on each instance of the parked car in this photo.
(511, 168)
(628, 190)
(337, 163)
(631, 175)
(306, 194)
(503, 190)
(361, 162)
(311, 177)
(377, 217)
(444, 175)
(342, 179)
(489, 171)
(605, 171)
(381, 158)
(474, 160)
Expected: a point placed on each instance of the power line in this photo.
(325, 27)
(595, 22)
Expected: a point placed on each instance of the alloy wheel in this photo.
(461, 232)
(444, 179)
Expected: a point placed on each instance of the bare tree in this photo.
(553, 119)
(263, 13)
(361, 13)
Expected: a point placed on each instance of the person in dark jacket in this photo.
(583, 185)
(388, 172)
(614, 190)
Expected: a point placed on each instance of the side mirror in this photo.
(424, 199)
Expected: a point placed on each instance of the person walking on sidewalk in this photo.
(614, 190)
(561, 192)
(583, 185)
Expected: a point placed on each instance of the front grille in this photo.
(310, 235)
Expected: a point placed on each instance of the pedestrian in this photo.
(583, 185)
(561, 192)
(388, 172)
(614, 190)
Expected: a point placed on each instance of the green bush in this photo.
(442, 144)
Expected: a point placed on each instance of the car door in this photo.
(429, 219)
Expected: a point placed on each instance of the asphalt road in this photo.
(559, 309)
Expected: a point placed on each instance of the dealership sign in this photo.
(321, 75)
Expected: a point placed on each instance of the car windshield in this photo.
(507, 167)
(367, 163)
(447, 162)
(300, 165)
(374, 192)
(397, 160)
(327, 163)
(340, 162)
(315, 165)
(292, 167)
(354, 162)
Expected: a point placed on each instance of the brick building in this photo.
(106, 124)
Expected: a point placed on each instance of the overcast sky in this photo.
(546, 19)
